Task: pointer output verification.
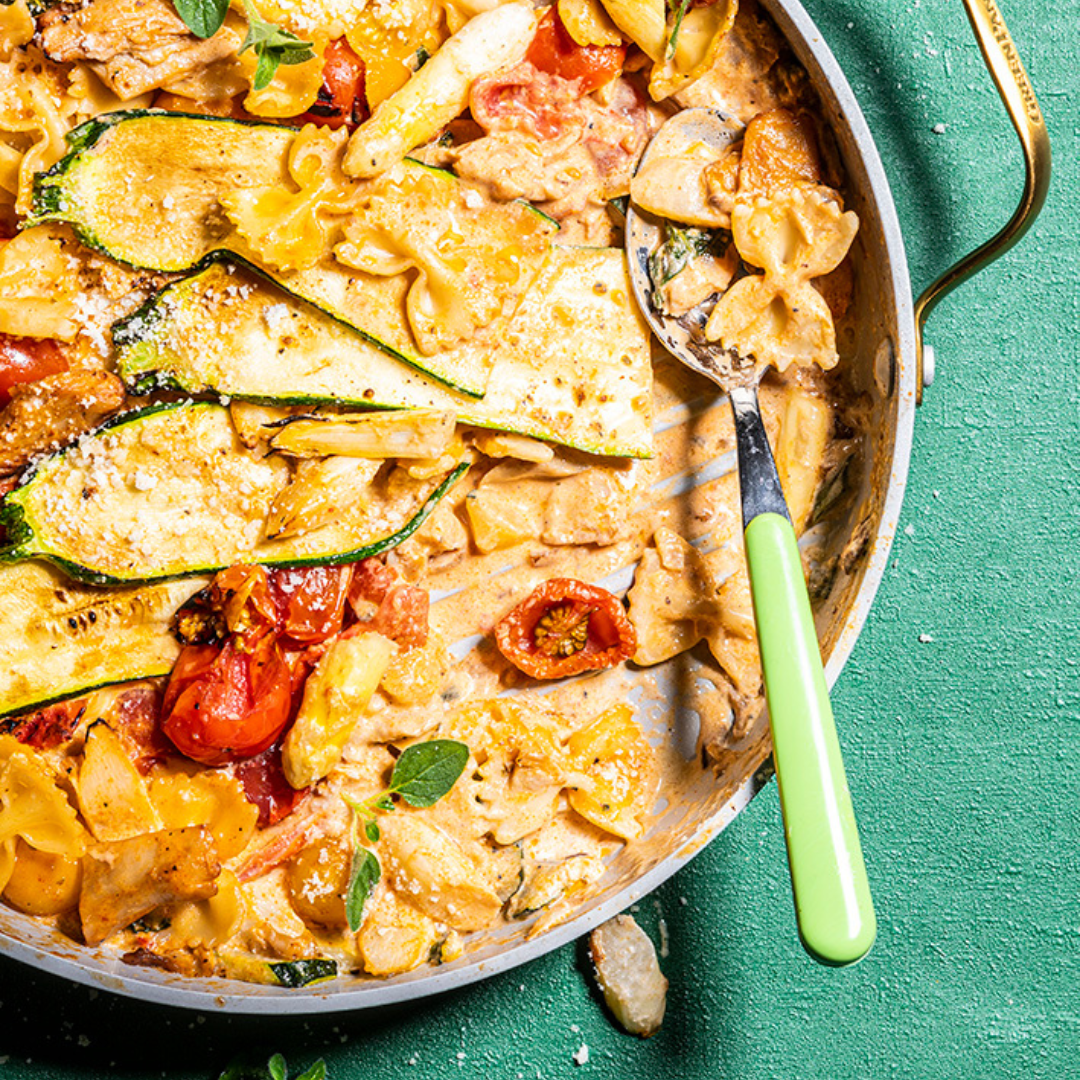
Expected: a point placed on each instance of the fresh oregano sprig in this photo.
(423, 774)
(273, 46)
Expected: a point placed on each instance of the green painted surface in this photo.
(959, 711)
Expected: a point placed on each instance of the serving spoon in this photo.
(832, 895)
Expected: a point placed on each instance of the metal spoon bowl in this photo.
(832, 896)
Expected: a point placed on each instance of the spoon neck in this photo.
(759, 483)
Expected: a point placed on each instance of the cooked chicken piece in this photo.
(46, 415)
(126, 879)
(133, 45)
(629, 975)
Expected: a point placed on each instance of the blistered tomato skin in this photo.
(310, 602)
(341, 99)
(565, 627)
(225, 703)
(553, 50)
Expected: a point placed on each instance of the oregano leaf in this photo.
(371, 828)
(426, 771)
(265, 69)
(363, 877)
(276, 1067)
(202, 17)
(316, 1072)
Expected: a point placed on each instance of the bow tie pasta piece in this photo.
(39, 285)
(780, 318)
(33, 807)
(779, 327)
(291, 230)
(474, 259)
(436, 873)
(520, 767)
(794, 235)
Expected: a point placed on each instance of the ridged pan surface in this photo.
(669, 700)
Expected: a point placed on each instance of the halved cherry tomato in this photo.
(303, 606)
(341, 97)
(371, 581)
(553, 50)
(564, 627)
(265, 786)
(310, 602)
(230, 701)
(27, 360)
(237, 601)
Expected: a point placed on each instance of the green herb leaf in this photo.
(244, 1068)
(679, 247)
(296, 973)
(273, 46)
(673, 37)
(202, 17)
(363, 877)
(383, 802)
(426, 771)
(371, 828)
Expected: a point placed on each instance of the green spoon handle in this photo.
(828, 876)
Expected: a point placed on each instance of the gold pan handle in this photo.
(1016, 91)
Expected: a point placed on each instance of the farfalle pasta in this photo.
(341, 481)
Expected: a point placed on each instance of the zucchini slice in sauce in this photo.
(59, 639)
(146, 187)
(574, 368)
(170, 491)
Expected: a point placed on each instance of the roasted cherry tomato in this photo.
(371, 581)
(310, 602)
(341, 97)
(565, 627)
(226, 702)
(27, 360)
(383, 604)
(553, 50)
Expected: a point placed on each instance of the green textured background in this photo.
(962, 750)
